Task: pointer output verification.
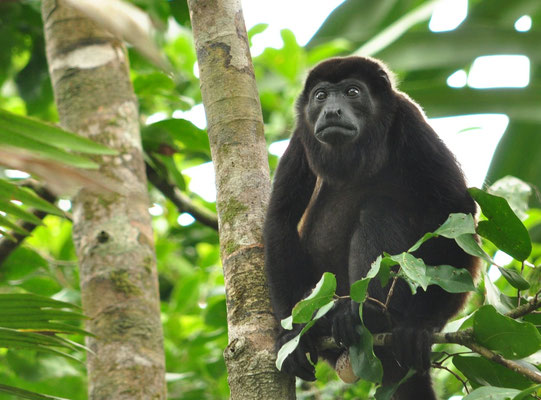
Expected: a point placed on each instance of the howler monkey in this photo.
(366, 174)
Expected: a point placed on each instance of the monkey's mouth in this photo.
(335, 134)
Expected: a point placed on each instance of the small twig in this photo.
(449, 355)
(527, 308)
(379, 303)
(518, 291)
(458, 377)
(465, 338)
(180, 200)
(391, 290)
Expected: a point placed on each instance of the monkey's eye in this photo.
(320, 95)
(353, 91)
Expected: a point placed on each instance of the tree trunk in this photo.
(235, 129)
(112, 232)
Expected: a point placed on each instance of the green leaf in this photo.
(525, 394)
(26, 394)
(359, 289)
(491, 393)
(256, 30)
(503, 227)
(382, 269)
(49, 134)
(11, 138)
(321, 295)
(9, 191)
(515, 191)
(413, 268)
(514, 278)
(451, 279)
(456, 225)
(290, 346)
(287, 323)
(27, 300)
(11, 225)
(468, 243)
(17, 212)
(512, 339)
(502, 303)
(483, 372)
(364, 362)
(386, 392)
(31, 312)
(176, 131)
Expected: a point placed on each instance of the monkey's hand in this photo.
(297, 363)
(345, 320)
(411, 348)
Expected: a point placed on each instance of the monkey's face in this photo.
(339, 113)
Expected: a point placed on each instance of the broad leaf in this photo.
(386, 392)
(451, 279)
(456, 225)
(363, 360)
(502, 227)
(514, 278)
(483, 372)
(359, 290)
(290, 346)
(413, 268)
(512, 339)
(468, 243)
(321, 295)
(492, 393)
(516, 192)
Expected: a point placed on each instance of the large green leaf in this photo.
(483, 372)
(290, 346)
(413, 268)
(512, 339)
(456, 225)
(321, 295)
(451, 279)
(492, 393)
(364, 362)
(502, 227)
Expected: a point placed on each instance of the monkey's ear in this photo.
(385, 78)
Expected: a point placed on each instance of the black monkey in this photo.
(366, 174)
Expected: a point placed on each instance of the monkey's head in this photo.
(345, 112)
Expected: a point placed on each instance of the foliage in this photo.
(511, 338)
(191, 284)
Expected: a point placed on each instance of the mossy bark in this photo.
(235, 129)
(112, 232)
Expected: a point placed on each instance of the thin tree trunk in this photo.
(235, 129)
(112, 231)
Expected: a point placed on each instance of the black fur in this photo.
(380, 191)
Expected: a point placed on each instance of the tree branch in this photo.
(465, 338)
(180, 200)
